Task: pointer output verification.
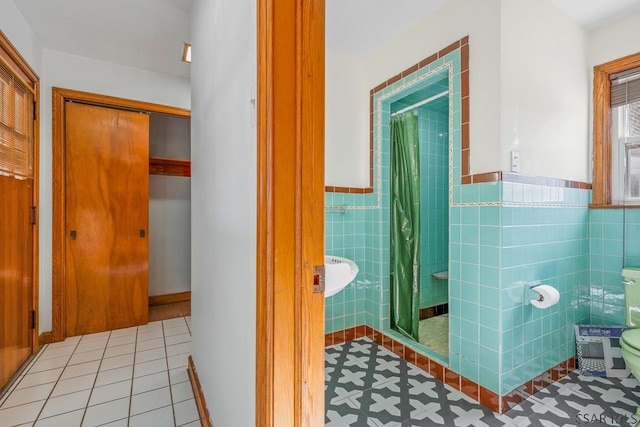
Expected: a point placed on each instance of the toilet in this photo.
(630, 340)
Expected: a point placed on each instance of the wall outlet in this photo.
(515, 161)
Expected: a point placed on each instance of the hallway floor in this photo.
(367, 385)
(128, 377)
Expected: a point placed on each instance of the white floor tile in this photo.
(148, 355)
(151, 326)
(75, 384)
(38, 378)
(116, 362)
(184, 348)
(69, 342)
(186, 412)
(193, 424)
(21, 414)
(124, 332)
(47, 364)
(97, 344)
(162, 417)
(149, 344)
(57, 352)
(172, 323)
(150, 382)
(121, 340)
(119, 350)
(110, 392)
(114, 376)
(66, 403)
(150, 400)
(181, 392)
(107, 412)
(87, 356)
(79, 370)
(96, 336)
(169, 332)
(28, 395)
(145, 336)
(178, 375)
(178, 339)
(70, 419)
(178, 361)
(148, 368)
(119, 423)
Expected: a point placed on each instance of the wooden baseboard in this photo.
(45, 338)
(170, 298)
(205, 419)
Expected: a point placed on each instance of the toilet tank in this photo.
(632, 295)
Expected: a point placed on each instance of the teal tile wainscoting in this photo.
(614, 243)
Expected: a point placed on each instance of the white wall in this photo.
(456, 19)
(544, 91)
(89, 75)
(346, 127)
(169, 209)
(614, 41)
(223, 197)
(20, 35)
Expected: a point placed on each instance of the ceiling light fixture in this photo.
(186, 52)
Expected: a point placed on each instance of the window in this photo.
(16, 127)
(625, 137)
(616, 132)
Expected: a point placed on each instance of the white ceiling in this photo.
(149, 34)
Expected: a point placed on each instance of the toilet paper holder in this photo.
(530, 294)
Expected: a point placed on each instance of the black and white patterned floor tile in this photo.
(367, 385)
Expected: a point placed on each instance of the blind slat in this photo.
(625, 88)
(16, 127)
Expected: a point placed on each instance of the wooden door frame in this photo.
(60, 96)
(28, 77)
(289, 316)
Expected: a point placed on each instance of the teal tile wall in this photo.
(346, 234)
(614, 244)
(434, 205)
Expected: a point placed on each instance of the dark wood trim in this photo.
(201, 403)
(45, 338)
(18, 66)
(169, 167)
(169, 298)
(289, 316)
(592, 206)
(602, 124)
(60, 96)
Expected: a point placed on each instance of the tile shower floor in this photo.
(367, 385)
(127, 377)
(433, 333)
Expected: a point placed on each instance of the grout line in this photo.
(95, 379)
(173, 410)
(133, 375)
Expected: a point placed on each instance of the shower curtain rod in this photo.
(420, 103)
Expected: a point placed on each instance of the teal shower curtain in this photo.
(405, 225)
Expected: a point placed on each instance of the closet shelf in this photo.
(171, 167)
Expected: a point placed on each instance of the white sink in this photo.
(338, 273)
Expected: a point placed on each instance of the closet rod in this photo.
(420, 103)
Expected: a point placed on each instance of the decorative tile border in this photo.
(437, 310)
(486, 397)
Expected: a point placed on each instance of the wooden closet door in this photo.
(106, 218)
(16, 275)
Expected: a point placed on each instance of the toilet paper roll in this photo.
(549, 296)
